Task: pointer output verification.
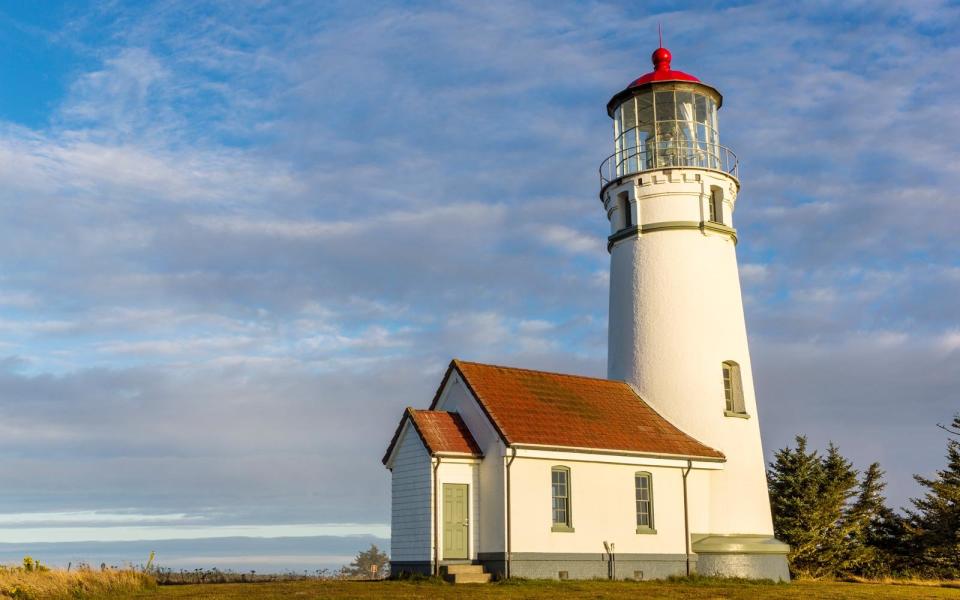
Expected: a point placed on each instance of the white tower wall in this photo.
(676, 315)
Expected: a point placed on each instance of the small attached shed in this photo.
(420, 477)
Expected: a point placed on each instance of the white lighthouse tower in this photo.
(677, 330)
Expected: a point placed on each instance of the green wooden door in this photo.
(456, 520)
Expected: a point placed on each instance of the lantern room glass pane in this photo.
(702, 136)
(645, 109)
(665, 106)
(685, 124)
(629, 114)
(685, 106)
(701, 108)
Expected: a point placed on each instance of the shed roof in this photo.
(441, 432)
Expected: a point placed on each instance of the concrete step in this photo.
(457, 569)
(468, 578)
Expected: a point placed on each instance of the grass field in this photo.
(53, 584)
(805, 590)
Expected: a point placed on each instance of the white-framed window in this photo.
(715, 206)
(560, 495)
(626, 214)
(643, 483)
(733, 389)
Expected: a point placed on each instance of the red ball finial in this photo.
(661, 59)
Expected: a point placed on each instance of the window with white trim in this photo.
(626, 214)
(560, 492)
(715, 206)
(643, 483)
(733, 389)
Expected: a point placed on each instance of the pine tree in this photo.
(953, 428)
(838, 487)
(369, 564)
(794, 480)
(875, 543)
(835, 524)
(934, 522)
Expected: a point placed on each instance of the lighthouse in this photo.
(676, 331)
(656, 470)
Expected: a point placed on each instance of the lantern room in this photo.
(667, 118)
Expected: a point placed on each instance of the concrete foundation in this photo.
(749, 566)
(550, 565)
(748, 556)
(407, 568)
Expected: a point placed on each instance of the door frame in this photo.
(443, 522)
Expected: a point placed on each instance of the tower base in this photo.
(747, 556)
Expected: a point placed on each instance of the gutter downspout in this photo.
(686, 515)
(436, 521)
(513, 455)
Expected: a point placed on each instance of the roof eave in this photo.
(455, 366)
(613, 451)
(446, 454)
(633, 90)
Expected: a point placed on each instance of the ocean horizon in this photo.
(310, 554)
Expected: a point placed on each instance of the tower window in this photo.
(643, 483)
(715, 203)
(560, 491)
(733, 389)
(623, 202)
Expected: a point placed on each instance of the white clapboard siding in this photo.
(410, 521)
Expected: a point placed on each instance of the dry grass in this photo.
(655, 590)
(55, 584)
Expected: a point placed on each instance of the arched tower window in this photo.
(733, 389)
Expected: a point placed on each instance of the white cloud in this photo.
(567, 239)
(950, 341)
(754, 272)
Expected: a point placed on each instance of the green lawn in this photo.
(804, 590)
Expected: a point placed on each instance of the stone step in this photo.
(457, 569)
(468, 578)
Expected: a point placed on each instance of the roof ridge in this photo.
(570, 375)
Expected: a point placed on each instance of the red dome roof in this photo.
(662, 71)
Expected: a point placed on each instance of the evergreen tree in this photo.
(794, 482)
(834, 518)
(369, 564)
(835, 524)
(876, 539)
(953, 428)
(934, 522)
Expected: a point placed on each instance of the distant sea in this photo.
(241, 554)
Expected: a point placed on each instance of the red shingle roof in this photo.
(551, 409)
(442, 433)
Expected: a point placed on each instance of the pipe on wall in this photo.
(513, 456)
(436, 521)
(686, 515)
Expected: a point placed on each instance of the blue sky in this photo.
(237, 238)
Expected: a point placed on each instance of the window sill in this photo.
(738, 415)
(562, 529)
(646, 531)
